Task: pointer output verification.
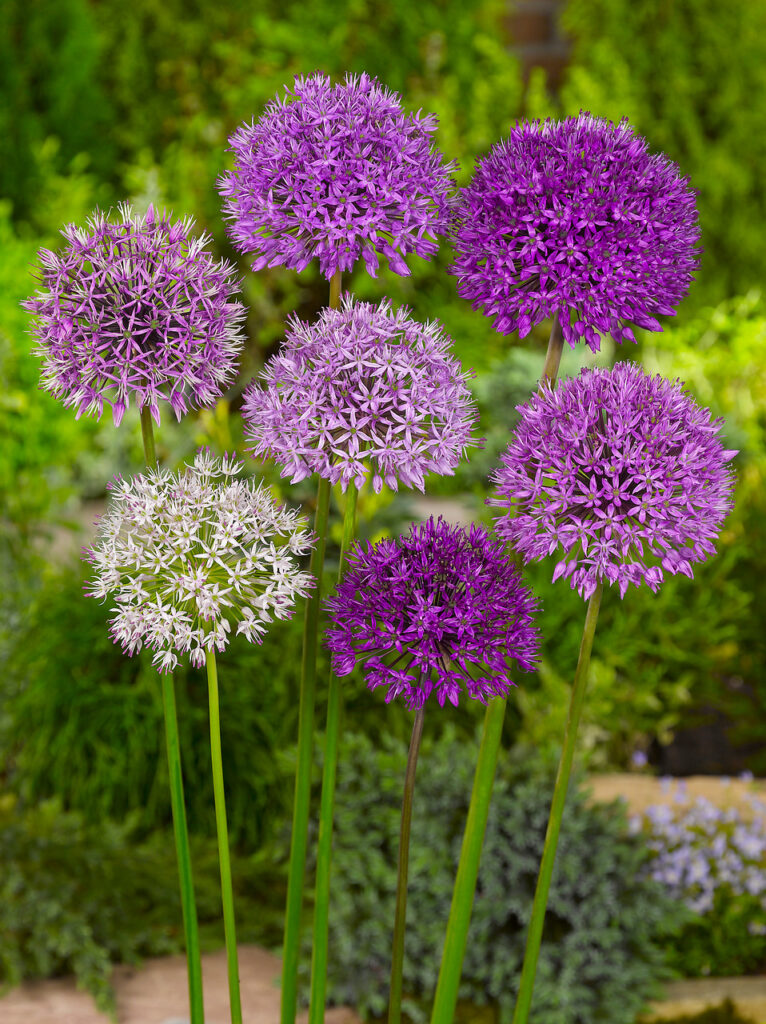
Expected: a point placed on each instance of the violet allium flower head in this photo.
(442, 610)
(620, 473)
(365, 388)
(576, 218)
(337, 172)
(138, 307)
(186, 556)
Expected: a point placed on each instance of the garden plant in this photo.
(616, 478)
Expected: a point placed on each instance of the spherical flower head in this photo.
(337, 172)
(576, 218)
(620, 473)
(441, 610)
(188, 556)
(139, 307)
(364, 389)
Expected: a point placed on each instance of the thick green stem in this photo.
(400, 916)
(335, 285)
(326, 811)
(535, 934)
(553, 355)
(456, 938)
(188, 905)
(147, 433)
(299, 843)
(177, 803)
(227, 892)
(307, 697)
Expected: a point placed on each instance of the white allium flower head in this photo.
(189, 557)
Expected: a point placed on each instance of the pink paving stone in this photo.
(156, 993)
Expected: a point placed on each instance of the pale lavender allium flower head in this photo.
(423, 611)
(337, 172)
(136, 308)
(186, 556)
(620, 473)
(363, 389)
(576, 218)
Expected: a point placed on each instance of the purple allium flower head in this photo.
(136, 307)
(424, 609)
(337, 172)
(186, 556)
(576, 218)
(621, 473)
(365, 388)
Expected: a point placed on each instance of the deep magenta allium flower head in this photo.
(337, 172)
(363, 389)
(576, 218)
(441, 610)
(186, 556)
(620, 473)
(139, 307)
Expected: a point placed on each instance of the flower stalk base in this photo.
(327, 808)
(400, 917)
(535, 933)
(227, 893)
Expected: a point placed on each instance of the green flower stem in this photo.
(534, 936)
(147, 433)
(456, 938)
(300, 831)
(553, 355)
(188, 904)
(299, 843)
(459, 920)
(335, 285)
(324, 845)
(183, 853)
(227, 892)
(400, 917)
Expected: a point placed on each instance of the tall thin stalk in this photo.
(327, 808)
(180, 829)
(224, 858)
(463, 894)
(299, 840)
(535, 933)
(459, 920)
(400, 916)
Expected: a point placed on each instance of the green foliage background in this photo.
(101, 101)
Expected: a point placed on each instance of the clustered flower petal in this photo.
(365, 388)
(139, 307)
(621, 473)
(425, 610)
(698, 849)
(576, 218)
(337, 172)
(187, 556)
